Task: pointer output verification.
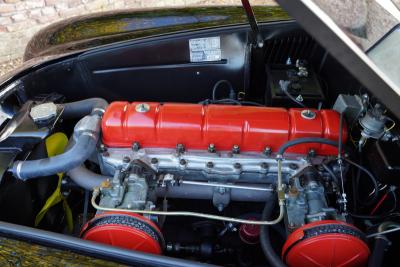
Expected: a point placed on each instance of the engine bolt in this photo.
(293, 166)
(210, 165)
(264, 165)
(126, 159)
(135, 146)
(211, 148)
(182, 162)
(267, 151)
(237, 165)
(180, 148)
(312, 153)
(154, 161)
(102, 148)
(235, 149)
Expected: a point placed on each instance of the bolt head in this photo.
(126, 159)
(182, 162)
(267, 151)
(211, 148)
(210, 164)
(135, 146)
(237, 165)
(264, 165)
(235, 149)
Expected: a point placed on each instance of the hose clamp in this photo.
(90, 134)
(101, 110)
(18, 170)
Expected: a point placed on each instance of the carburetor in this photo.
(306, 202)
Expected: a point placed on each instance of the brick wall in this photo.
(20, 19)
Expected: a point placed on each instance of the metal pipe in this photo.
(202, 191)
(232, 186)
(96, 193)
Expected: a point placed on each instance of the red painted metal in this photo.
(121, 234)
(325, 249)
(197, 126)
(250, 233)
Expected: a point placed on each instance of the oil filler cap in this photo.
(124, 230)
(326, 243)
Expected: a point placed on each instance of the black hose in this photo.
(331, 173)
(74, 157)
(273, 259)
(378, 253)
(84, 107)
(217, 84)
(372, 178)
(306, 140)
(86, 136)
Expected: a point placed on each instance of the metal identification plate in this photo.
(205, 49)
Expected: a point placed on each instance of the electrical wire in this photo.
(372, 178)
(379, 204)
(384, 232)
(284, 87)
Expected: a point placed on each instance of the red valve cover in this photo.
(196, 126)
(326, 243)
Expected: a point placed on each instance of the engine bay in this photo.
(272, 156)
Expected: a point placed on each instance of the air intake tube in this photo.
(85, 138)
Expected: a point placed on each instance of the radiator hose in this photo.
(86, 135)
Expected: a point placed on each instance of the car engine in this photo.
(150, 154)
(293, 169)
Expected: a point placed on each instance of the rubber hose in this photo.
(84, 107)
(306, 140)
(75, 156)
(372, 178)
(378, 253)
(86, 178)
(273, 259)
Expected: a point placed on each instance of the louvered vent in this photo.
(296, 47)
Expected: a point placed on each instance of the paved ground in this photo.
(9, 65)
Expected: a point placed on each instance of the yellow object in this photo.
(55, 145)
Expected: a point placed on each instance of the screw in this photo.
(312, 153)
(237, 165)
(126, 159)
(293, 166)
(102, 148)
(182, 162)
(154, 161)
(135, 146)
(211, 148)
(264, 165)
(235, 149)
(267, 151)
(220, 207)
(210, 165)
(180, 148)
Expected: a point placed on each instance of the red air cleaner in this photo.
(130, 231)
(326, 243)
(197, 126)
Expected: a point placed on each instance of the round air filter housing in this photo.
(326, 243)
(125, 230)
